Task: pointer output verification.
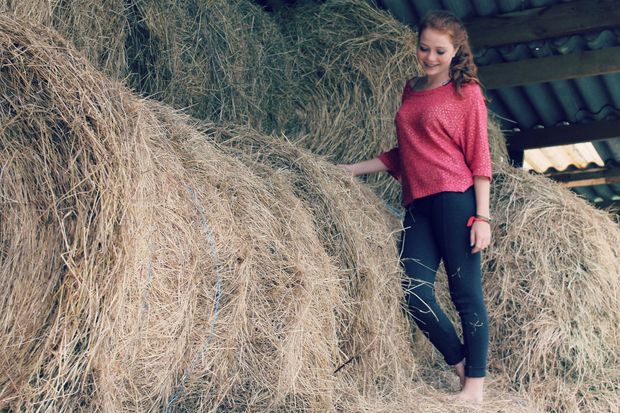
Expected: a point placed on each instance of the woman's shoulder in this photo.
(471, 88)
(470, 94)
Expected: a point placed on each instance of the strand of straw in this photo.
(216, 302)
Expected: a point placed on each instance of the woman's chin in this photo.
(433, 73)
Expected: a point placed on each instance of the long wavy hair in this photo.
(462, 67)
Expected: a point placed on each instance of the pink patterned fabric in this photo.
(442, 141)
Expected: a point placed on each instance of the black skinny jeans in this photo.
(435, 228)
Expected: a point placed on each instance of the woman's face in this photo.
(435, 52)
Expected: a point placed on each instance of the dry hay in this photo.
(333, 81)
(352, 60)
(553, 293)
(144, 267)
(219, 60)
(125, 329)
(98, 28)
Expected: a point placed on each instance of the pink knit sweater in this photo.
(442, 141)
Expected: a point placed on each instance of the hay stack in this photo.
(218, 60)
(553, 292)
(103, 188)
(144, 268)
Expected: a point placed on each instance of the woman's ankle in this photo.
(460, 371)
(473, 389)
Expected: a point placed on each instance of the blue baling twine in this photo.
(149, 280)
(394, 211)
(216, 302)
(145, 297)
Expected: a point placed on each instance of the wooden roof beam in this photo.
(546, 69)
(557, 20)
(587, 177)
(563, 135)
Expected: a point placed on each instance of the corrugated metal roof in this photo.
(562, 101)
(413, 10)
(581, 155)
(548, 104)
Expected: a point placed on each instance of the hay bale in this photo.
(117, 314)
(144, 268)
(553, 293)
(352, 60)
(218, 60)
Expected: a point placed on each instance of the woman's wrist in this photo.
(473, 219)
(484, 217)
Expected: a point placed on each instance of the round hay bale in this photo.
(352, 60)
(218, 60)
(146, 268)
(553, 293)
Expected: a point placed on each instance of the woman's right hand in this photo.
(364, 167)
(349, 168)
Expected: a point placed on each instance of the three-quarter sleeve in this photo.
(391, 159)
(476, 135)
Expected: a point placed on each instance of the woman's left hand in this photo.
(480, 236)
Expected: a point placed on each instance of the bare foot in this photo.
(460, 371)
(473, 390)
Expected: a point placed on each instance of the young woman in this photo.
(443, 163)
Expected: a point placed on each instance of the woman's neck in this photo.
(436, 81)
